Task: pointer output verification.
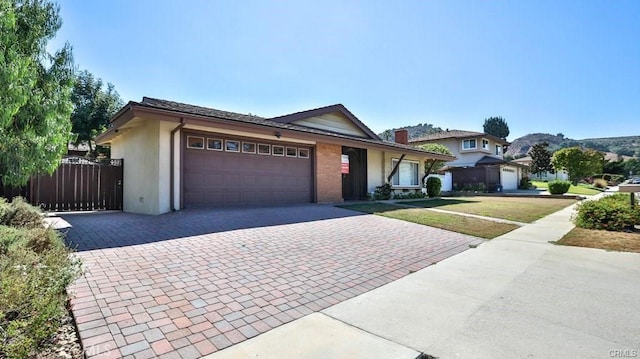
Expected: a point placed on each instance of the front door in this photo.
(354, 184)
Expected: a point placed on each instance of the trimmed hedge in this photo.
(434, 186)
(611, 213)
(35, 269)
(559, 187)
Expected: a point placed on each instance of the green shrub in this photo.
(411, 195)
(611, 213)
(434, 185)
(19, 213)
(559, 187)
(383, 192)
(38, 239)
(600, 183)
(35, 269)
(525, 183)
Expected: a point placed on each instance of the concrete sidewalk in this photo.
(515, 296)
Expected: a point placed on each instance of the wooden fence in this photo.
(78, 184)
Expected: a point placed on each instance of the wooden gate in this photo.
(79, 184)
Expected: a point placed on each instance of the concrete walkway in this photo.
(516, 296)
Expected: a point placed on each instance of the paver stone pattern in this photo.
(187, 284)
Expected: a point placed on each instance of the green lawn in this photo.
(455, 223)
(581, 188)
(520, 209)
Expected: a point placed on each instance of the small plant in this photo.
(434, 185)
(414, 195)
(559, 187)
(19, 213)
(383, 192)
(525, 183)
(35, 269)
(600, 183)
(611, 213)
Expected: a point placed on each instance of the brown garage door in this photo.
(222, 171)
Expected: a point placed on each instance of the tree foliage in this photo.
(579, 163)
(632, 167)
(540, 158)
(496, 126)
(35, 91)
(434, 165)
(93, 106)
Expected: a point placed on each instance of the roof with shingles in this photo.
(159, 104)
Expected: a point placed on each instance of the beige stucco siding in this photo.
(139, 148)
(164, 165)
(468, 157)
(334, 122)
(375, 169)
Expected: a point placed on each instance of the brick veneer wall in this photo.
(329, 177)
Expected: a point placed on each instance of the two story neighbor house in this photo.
(479, 162)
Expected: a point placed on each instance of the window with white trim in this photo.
(485, 144)
(264, 149)
(498, 150)
(214, 144)
(248, 147)
(232, 146)
(407, 174)
(195, 142)
(469, 144)
(277, 150)
(303, 152)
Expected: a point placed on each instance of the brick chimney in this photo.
(402, 136)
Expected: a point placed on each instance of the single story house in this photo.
(544, 176)
(479, 163)
(177, 156)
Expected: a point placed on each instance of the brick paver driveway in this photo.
(189, 283)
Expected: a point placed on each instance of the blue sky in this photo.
(545, 66)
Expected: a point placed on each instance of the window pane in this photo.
(396, 177)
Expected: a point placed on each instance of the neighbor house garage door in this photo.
(509, 178)
(223, 171)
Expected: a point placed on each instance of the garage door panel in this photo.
(249, 180)
(195, 179)
(214, 180)
(219, 178)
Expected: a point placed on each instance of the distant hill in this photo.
(416, 131)
(626, 146)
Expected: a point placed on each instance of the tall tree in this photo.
(579, 163)
(35, 91)
(632, 167)
(496, 126)
(540, 158)
(434, 165)
(93, 106)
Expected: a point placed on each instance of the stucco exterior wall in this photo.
(468, 157)
(375, 169)
(328, 172)
(138, 146)
(164, 165)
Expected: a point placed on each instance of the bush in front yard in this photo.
(600, 183)
(434, 185)
(383, 192)
(559, 187)
(35, 269)
(19, 213)
(611, 213)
